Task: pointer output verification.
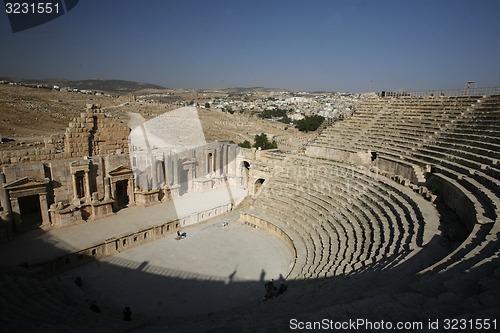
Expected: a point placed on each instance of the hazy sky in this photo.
(309, 45)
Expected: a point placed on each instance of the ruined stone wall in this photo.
(109, 136)
(93, 133)
(53, 149)
(76, 141)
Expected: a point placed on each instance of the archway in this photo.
(258, 183)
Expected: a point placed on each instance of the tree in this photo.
(245, 144)
(263, 142)
(207, 105)
(309, 123)
(276, 113)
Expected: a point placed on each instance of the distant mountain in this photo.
(120, 87)
(240, 90)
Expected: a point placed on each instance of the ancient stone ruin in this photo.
(389, 215)
(95, 175)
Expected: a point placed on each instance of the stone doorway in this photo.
(122, 199)
(121, 187)
(30, 213)
(28, 203)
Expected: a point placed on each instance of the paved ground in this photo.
(214, 268)
(39, 245)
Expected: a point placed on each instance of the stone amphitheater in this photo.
(390, 219)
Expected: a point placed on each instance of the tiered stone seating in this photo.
(367, 246)
(369, 252)
(470, 124)
(346, 218)
(459, 138)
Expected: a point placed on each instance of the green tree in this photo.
(245, 144)
(263, 142)
(276, 113)
(207, 105)
(309, 123)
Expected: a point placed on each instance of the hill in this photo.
(120, 87)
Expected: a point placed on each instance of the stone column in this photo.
(192, 171)
(216, 161)
(73, 183)
(107, 188)
(154, 176)
(161, 171)
(231, 157)
(224, 159)
(44, 209)
(167, 161)
(88, 195)
(136, 180)
(130, 191)
(4, 195)
(176, 170)
(16, 213)
(113, 190)
(193, 166)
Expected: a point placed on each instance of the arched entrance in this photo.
(258, 183)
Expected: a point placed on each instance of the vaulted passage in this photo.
(258, 184)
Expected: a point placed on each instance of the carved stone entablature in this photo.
(121, 172)
(188, 162)
(26, 186)
(79, 165)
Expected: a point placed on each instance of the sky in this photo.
(347, 46)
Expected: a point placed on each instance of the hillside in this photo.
(27, 114)
(120, 87)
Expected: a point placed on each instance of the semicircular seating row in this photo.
(344, 221)
(340, 218)
(457, 138)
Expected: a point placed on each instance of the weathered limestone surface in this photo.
(89, 173)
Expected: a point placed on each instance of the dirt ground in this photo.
(28, 115)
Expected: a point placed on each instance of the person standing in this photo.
(127, 314)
